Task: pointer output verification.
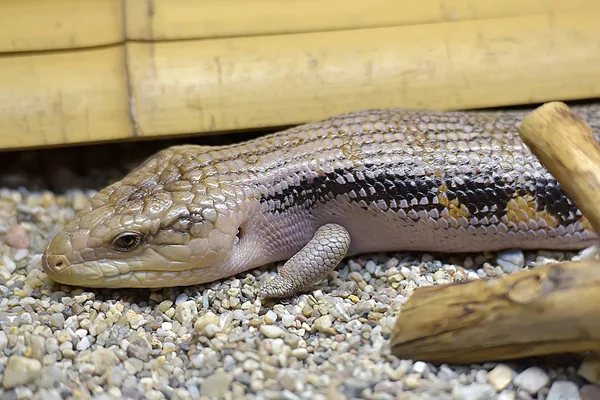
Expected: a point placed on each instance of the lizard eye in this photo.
(127, 241)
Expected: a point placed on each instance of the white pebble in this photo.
(300, 353)
(21, 254)
(405, 271)
(370, 267)
(26, 318)
(270, 317)
(81, 333)
(3, 340)
(563, 390)
(86, 368)
(9, 265)
(272, 331)
(181, 298)
(198, 360)
(590, 252)
(211, 330)
(83, 344)
(439, 274)
(474, 391)
(392, 262)
(531, 380)
(419, 367)
(506, 395)
(472, 275)
(511, 260)
(288, 320)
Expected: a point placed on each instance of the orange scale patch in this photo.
(455, 208)
(524, 209)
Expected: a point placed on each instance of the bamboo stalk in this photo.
(204, 19)
(199, 86)
(38, 25)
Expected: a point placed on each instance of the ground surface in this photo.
(217, 340)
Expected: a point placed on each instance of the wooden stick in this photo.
(550, 309)
(566, 146)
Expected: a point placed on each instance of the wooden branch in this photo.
(550, 309)
(566, 146)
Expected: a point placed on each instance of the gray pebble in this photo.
(216, 385)
(474, 391)
(563, 390)
(511, 260)
(139, 348)
(21, 371)
(271, 331)
(57, 320)
(531, 380)
(3, 340)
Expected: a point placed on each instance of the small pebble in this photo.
(57, 320)
(3, 340)
(474, 391)
(83, 344)
(17, 237)
(563, 390)
(271, 331)
(511, 261)
(288, 320)
(590, 368)
(21, 371)
(216, 385)
(589, 392)
(531, 380)
(500, 377)
(419, 367)
(325, 324)
(206, 319)
(300, 353)
(165, 305)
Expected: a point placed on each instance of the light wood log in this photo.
(566, 146)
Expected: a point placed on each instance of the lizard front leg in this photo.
(313, 262)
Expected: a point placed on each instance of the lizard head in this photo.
(167, 223)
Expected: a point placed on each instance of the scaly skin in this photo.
(381, 180)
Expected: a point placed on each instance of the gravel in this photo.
(218, 340)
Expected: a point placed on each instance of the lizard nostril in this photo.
(53, 263)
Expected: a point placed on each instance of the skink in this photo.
(370, 181)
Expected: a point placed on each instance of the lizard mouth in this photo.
(98, 274)
(72, 275)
